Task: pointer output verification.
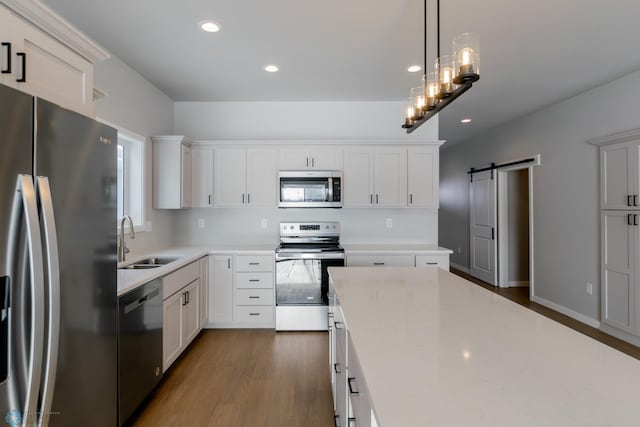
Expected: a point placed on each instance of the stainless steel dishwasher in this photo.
(139, 346)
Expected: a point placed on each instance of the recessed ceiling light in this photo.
(271, 68)
(465, 121)
(209, 26)
(414, 68)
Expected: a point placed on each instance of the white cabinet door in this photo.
(619, 249)
(201, 176)
(53, 71)
(619, 176)
(294, 159)
(204, 291)
(262, 177)
(390, 177)
(221, 289)
(185, 176)
(326, 159)
(171, 329)
(358, 177)
(230, 177)
(422, 177)
(191, 312)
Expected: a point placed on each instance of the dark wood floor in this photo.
(237, 378)
(521, 296)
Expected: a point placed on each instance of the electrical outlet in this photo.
(263, 223)
(389, 223)
(589, 288)
(149, 226)
(200, 222)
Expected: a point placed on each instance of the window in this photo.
(130, 164)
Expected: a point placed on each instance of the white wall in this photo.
(136, 105)
(565, 186)
(233, 121)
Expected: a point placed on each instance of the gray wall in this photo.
(136, 105)
(565, 186)
(518, 212)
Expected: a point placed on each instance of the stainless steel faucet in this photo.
(122, 248)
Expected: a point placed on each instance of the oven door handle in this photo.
(320, 256)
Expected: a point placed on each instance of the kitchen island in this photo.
(432, 349)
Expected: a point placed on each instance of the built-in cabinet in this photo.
(303, 158)
(620, 235)
(434, 259)
(221, 290)
(171, 172)
(201, 176)
(423, 177)
(38, 63)
(181, 310)
(245, 177)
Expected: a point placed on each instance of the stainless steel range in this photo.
(302, 282)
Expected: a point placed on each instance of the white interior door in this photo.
(482, 203)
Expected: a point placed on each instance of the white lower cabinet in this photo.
(204, 291)
(441, 261)
(380, 260)
(181, 311)
(221, 290)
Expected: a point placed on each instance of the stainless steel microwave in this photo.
(310, 189)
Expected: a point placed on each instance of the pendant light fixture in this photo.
(452, 76)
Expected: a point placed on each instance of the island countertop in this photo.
(437, 350)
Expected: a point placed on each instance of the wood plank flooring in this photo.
(237, 378)
(521, 296)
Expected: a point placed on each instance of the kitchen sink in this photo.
(149, 263)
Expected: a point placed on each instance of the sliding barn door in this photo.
(483, 239)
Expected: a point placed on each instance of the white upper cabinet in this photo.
(35, 62)
(423, 177)
(358, 177)
(245, 177)
(201, 176)
(317, 158)
(620, 176)
(390, 178)
(171, 172)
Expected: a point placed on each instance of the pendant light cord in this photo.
(425, 38)
(438, 25)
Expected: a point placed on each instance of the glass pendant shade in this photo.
(417, 95)
(431, 89)
(466, 52)
(444, 67)
(409, 114)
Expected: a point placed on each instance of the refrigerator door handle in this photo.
(26, 189)
(53, 283)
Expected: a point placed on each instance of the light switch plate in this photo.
(389, 223)
(200, 222)
(263, 223)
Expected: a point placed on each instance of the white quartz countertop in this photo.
(437, 350)
(131, 279)
(396, 248)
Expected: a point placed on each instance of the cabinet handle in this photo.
(337, 325)
(432, 263)
(410, 199)
(629, 200)
(629, 221)
(253, 297)
(184, 298)
(336, 368)
(254, 314)
(378, 263)
(254, 280)
(376, 199)
(209, 199)
(229, 263)
(23, 79)
(254, 263)
(313, 162)
(248, 198)
(371, 197)
(8, 69)
(307, 162)
(635, 220)
(350, 381)
(243, 198)
(635, 200)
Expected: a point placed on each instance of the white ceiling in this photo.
(533, 53)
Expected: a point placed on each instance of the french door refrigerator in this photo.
(58, 320)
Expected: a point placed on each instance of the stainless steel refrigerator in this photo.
(58, 320)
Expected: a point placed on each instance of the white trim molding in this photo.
(459, 267)
(50, 22)
(626, 136)
(567, 312)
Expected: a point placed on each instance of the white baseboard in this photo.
(568, 312)
(459, 267)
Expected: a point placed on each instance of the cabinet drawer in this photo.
(441, 261)
(249, 314)
(254, 280)
(173, 282)
(254, 263)
(254, 297)
(380, 260)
